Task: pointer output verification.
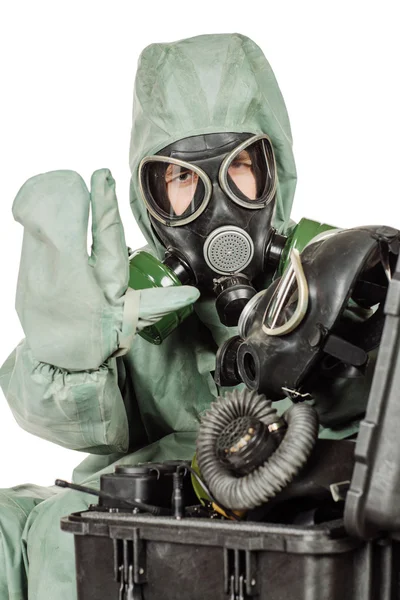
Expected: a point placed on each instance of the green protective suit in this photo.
(145, 405)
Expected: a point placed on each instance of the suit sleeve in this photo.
(78, 410)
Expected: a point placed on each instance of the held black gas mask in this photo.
(211, 200)
(315, 331)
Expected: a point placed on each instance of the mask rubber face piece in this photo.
(211, 199)
(325, 326)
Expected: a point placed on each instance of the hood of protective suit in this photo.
(208, 84)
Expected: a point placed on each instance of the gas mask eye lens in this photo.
(289, 302)
(175, 192)
(248, 174)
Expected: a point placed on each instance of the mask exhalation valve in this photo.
(228, 250)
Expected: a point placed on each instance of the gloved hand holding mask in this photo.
(76, 310)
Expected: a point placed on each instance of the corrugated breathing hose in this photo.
(277, 471)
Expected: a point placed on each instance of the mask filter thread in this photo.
(228, 249)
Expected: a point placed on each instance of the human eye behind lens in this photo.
(242, 161)
(185, 176)
(180, 175)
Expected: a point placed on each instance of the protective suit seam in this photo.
(229, 75)
(102, 405)
(164, 52)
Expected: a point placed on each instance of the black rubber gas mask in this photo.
(211, 200)
(314, 331)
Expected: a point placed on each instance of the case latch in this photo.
(240, 569)
(130, 566)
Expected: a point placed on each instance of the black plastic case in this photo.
(157, 558)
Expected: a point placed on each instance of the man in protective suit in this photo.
(82, 378)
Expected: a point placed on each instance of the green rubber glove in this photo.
(76, 310)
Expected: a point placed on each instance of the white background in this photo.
(67, 71)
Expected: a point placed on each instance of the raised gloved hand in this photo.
(76, 310)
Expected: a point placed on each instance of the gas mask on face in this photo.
(313, 332)
(211, 200)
